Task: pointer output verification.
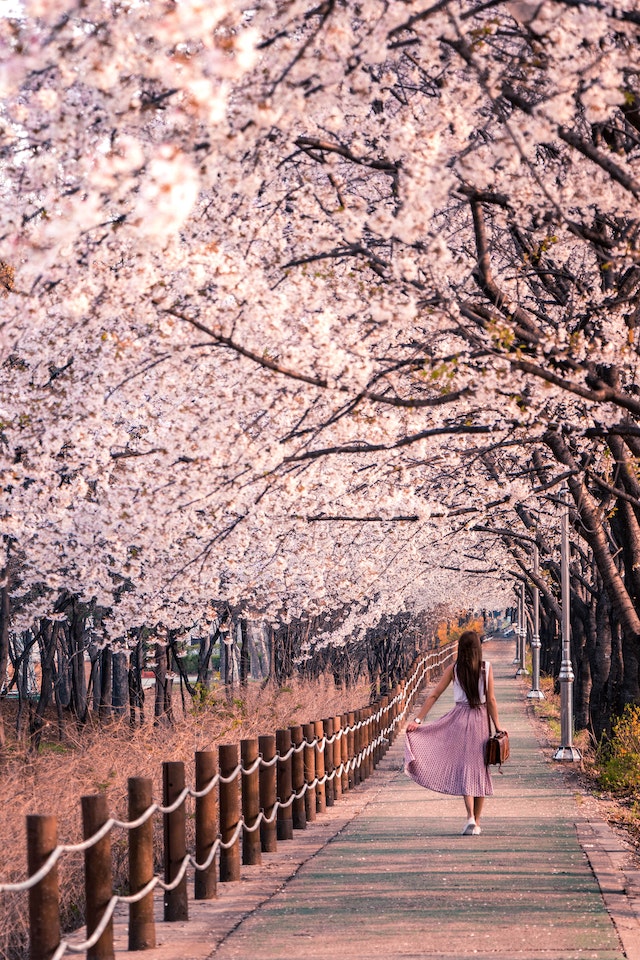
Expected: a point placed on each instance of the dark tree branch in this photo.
(403, 442)
(322, 517)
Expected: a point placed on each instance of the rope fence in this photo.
(276, 785)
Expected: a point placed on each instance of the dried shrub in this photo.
(618, 757)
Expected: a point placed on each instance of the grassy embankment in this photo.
(610, 769)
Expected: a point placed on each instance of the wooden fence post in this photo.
(249, 753)
(309, 731)
(268, 794)
(351, 748)
(375, 724)
(97, 874)
(344, 752)
(357, 747)
(368, 739)
(327, 728)
(229, 812)
(337, 758)
(44, 897)
(321, 793)
(393, 713)
(297, 779)
(364, 740)
(285, 815)
(204, 883)
(384, 722)
(142, 929)
(176, 905)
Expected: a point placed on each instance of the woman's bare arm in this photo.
(437, 691)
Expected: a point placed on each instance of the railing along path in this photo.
(286, 780)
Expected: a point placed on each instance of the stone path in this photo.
(386, 873)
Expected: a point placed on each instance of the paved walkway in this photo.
(386, 873)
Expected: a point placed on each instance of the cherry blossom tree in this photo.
(296, 294)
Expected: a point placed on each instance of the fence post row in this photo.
(267, 774)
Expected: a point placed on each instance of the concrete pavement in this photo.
(386, 872)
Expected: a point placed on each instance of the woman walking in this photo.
(448, 755)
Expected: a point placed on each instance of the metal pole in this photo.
(522, 670)
(566, 750)
(516, 657)
(535, 693)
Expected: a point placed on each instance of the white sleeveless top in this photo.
(459, 696)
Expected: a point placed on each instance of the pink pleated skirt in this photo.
(448, 755)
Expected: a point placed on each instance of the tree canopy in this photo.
(313, 305)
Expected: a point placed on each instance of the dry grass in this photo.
(101, 759)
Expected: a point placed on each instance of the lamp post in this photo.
(516, 656)
(566, 750)
(522, 670)
(535, 693)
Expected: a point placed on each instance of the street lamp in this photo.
(522, 670)
(535, 693)
(566, 750)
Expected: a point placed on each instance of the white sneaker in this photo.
(470, 828)
(476, 830)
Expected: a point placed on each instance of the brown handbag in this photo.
(496, 750)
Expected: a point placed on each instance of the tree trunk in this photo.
(592, 530)
(5, 613)
(76, 644)
(47, 641)
(120, 685)
(136, 690)
(600, 658)
(245, 659)
(581, 666)
(162, 705)
(205, 652)
(106, 683)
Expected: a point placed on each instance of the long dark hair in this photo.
(469, 664)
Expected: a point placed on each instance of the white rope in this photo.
(132, 824)
(182, 796)
(205, 790)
